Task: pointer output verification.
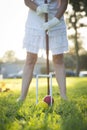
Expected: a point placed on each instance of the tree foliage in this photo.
(9, 56)
(79, 5)
(79, 10)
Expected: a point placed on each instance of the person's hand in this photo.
(42, 9)
(50, 24)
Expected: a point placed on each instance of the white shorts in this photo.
(34, 40)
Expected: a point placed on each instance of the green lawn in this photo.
(63, 115)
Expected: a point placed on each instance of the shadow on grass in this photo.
(72, 116)
(9, 110)
(64, 115)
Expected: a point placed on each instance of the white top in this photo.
(35, 21)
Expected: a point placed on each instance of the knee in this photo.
(58, 59)
(31, 59)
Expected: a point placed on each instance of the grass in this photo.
(63, 115)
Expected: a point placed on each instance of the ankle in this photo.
(64, 97)
(20, 99)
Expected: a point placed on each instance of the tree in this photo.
(79, 11)
(9, 56)
(83, 63)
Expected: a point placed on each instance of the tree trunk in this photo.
(76, 45)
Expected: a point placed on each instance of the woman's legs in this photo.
(27, 74)
(60, 74)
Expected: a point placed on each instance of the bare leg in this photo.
(27, 74)
(60, 74)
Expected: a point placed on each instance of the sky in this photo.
(12, 23)
(13, 15)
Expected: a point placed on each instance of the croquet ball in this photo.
(47, 99)
(42, 105)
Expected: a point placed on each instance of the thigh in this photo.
(31, 57)
(58, 59)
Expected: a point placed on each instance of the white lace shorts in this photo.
(34, 40)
